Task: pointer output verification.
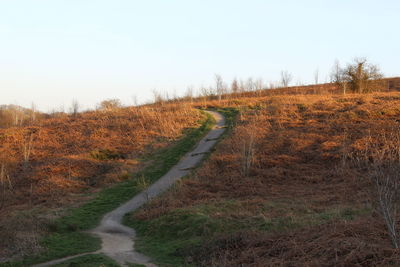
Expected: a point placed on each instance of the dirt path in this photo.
(117, 239)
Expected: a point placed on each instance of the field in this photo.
(290, 185)
(59, 162)
(293, 182)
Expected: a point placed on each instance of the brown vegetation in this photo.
(59, 155)
(295, 155)
(292, 159)
(42, 163)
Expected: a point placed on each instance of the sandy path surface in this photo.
(117, 239)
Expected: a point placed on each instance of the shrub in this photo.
(105, 154)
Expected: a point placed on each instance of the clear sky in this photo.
(52, 51)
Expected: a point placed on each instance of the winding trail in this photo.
(117, 239)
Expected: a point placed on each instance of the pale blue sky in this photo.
(52, 51)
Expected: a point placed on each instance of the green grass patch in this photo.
(230, 117)
(67, 237)
(94, 260)
(168, 238)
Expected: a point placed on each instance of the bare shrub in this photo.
(58, 143)
(247, 135)
(189, 94)
(27, 147)
(13, 115)
(381, 161)
(359, 76)
(388, 189)
(158, 97)
(248, 153)
(362, 75)
(20, 232)
(109, 104)
(293, 161)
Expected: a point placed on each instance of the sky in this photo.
(54, 51)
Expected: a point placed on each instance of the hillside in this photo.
(292, 182)
(290, 185)
(55, 162)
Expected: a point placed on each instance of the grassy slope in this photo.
(170, 238)
(173, 237)
(67, 238)
(163, 237)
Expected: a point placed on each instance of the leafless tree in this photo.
(259, 84)
(189, 93)
(361, 75)
(316, 76)
(235, 86)
(242, 86)
(250, 86)
(33, 112)
(204, 91)
(219, 86)
(337, 76)
(286, 78)
(272, 85)
(75, 107)
(18, 115)
(299, 82)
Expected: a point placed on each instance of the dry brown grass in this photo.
(20, 233)
(45, 160)
(301, 151)
(356, 243)
(51, 161)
